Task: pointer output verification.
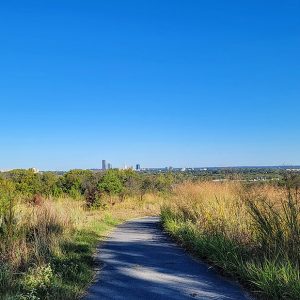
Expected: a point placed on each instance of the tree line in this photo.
(97, 188)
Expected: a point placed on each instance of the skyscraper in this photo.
(103, 164)
(138, 167)
(109, 166)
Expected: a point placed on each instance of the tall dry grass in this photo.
(250, 231)
(134, 206)
(46, 245)
(31, 235)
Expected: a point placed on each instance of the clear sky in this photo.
(160, 83)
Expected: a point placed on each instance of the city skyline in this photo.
(169, 168)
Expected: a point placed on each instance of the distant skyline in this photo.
(155, 83)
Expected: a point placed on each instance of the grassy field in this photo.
(249, 232)
(47, 252)
(50, 226)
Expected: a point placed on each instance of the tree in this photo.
(131, 183)
(111, 184)
(50, 183)
(146, 185)
(27, 182)
(163, 182)
(73, 182)
(7, 212)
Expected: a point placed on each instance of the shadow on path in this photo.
(139, 261)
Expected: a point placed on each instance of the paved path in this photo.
(139, 261)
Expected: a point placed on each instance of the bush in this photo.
(38, 280)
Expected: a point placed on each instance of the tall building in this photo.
(138, 167)
(103, 164)
(109, 166)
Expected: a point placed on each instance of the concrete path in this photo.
(139, 261)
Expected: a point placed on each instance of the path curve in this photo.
(139, 261)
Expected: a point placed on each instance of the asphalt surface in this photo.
(139, 261)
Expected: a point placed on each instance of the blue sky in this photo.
(180, 83)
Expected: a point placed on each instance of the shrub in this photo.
(39, 279)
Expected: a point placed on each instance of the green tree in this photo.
(163, 182)
(50, 184)
(111, 184)
(146, 186)
(27, 182)
(131, 183)
(74, 181)
(7, 219)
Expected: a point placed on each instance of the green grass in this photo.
(68, 273)
(266, 278)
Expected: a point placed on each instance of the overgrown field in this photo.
(251, 232)
(51, 223)
(49, 229)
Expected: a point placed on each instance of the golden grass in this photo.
(221, 206)
(36, 237)
(134, 207)
(250, 231)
